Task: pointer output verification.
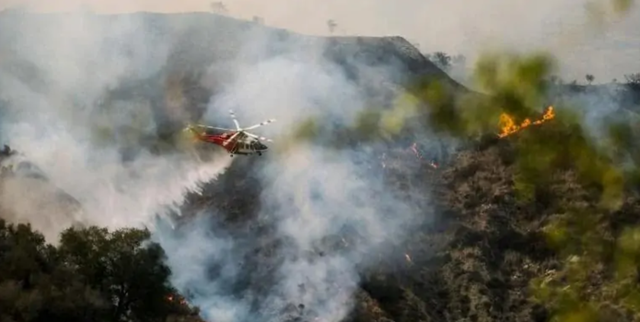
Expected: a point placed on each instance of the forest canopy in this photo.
(92, 275)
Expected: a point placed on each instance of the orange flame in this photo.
(509, 127)
(171, 298)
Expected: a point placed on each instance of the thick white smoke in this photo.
(58, 126)
(312, 195)
(329, 213)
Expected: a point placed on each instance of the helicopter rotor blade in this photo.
(194, 134)
(231, 138)
(259, 124)
(192, 126)
(261, 138)
(233, 117)
(214, 128)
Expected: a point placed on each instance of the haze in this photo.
(453, 26)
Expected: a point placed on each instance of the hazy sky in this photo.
(455, 26)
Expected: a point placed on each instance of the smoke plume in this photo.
(328, 210)
(323, 213)
(55, 78)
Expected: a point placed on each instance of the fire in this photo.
(415, 151)
(509, 127)
(414, 148)
(171, 298)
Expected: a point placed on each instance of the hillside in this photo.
(349, 217)
(181, 50)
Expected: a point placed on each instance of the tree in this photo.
(258, 20)
(35, 283)
(631, 90)
(441, 59)
(331, 24)
(589, 78)
(94, 275)
(117, 264)
(596, 245)
(632, 79)
(218, 7)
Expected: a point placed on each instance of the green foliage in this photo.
(441, 59)
(514, 84)
(446, 62)
(597, 278)
(94, 275)
(605, 169)
(622, 6)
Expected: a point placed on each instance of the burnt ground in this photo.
(487, 250)
(474, 262)
(478, 261)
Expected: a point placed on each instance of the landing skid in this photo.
(258, 153)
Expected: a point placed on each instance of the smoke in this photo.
(97, 153)
(329, 212)
(460, 27)
(71, 113)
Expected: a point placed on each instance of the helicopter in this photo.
(234, 141)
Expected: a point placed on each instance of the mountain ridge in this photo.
(362, 230)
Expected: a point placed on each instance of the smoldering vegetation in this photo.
(98, 103)
(385, 196)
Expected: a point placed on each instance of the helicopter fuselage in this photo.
(241, 144)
